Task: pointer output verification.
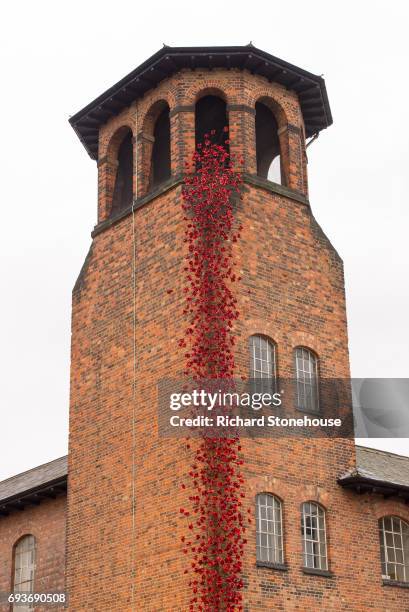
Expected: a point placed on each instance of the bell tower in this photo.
(124, 525)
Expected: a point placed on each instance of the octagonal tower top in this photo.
(310, 88)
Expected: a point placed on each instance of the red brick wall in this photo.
(292, 290)
(46, 523)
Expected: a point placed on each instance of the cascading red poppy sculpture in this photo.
(215, 539)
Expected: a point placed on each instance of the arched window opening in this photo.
(24, 568)
(160, 168)
(123, 188)
(211, 114)
(394, 543)
(263, 372)
(306, 368)
(267, 145)
(314, 536)
(269, 529)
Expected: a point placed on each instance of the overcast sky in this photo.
(56, 57)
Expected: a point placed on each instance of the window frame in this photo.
(318, 543)
(19, 567)
(271, 352)
(312, 405)
(274, 530)
(384, 548)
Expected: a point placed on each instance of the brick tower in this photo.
(124, 526)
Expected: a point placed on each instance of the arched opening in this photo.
(269, 529)
(267, 145)
(123, 188)
(211, 114)
(160, 162)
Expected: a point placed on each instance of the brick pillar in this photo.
(182, 137)
(242, 129)
(107, 169)
(304, 164)
(292, 157)
(144, 157)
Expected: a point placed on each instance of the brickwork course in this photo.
(123, 522)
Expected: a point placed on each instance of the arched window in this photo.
(269, 529)
(314, 537)
(211, 114)
(160, 166)
(123, 188)
(306, 369)
(394, 541)
(267, 145)
(263, 364)
(24, 567)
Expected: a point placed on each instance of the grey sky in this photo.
(57, 57)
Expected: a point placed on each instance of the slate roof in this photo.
(383, 465)
(309, 87)
(31, 487)
(378, 472)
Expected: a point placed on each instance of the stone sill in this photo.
(274, 566)
(317, 572)
(257, 181)
(163, 188)
(251, 179)
(395, 583)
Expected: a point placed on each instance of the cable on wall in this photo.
(133, 568)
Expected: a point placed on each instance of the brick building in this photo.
(332, 524)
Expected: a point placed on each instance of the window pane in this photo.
(268, 528)
(307, 381)
(263, 363)
(24, 568)
(314, 536)
(393, 536)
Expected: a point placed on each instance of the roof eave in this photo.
(33, 496)
(364, 484)
(136, 83)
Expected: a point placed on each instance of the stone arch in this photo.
(206, 87)
(151, 115)
(110, 151)
(391, 507)
(307, 340)
(275, 107)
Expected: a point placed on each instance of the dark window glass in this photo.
(211, 114)
(161, 149)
